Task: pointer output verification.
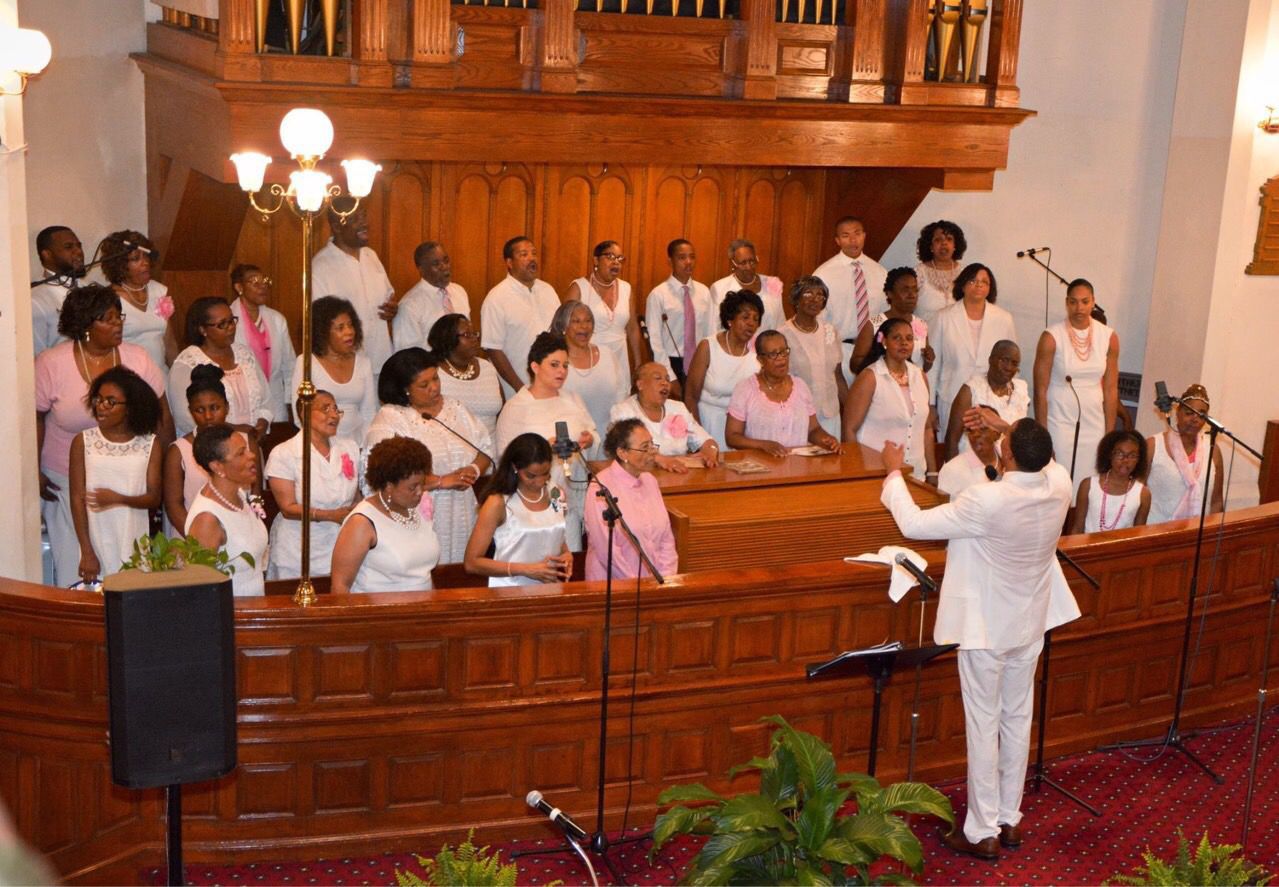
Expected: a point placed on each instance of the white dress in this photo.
(333, 485)
(528, 536)
(481, 395)
(452, 511)
(147, 327)
(891, 418)
(610, 330)
(246, 388)
(357, 397)
(279, 396)
(814, 357)
(401, 558)
(245, 533)
(1062, 410)
(194, 477)
(1167, 485)
(722, 376)
(1121, 511)
(599, 387)
(677, 434)
(121, 467)
(1014, 407)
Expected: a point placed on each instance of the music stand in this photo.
(879, 663)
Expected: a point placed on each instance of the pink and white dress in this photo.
(785, 422)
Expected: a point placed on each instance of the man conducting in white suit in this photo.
(1003, 589)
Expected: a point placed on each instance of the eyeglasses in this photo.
(258, 280)
(1124, 457)
(646, 448)
(470, 335)
(750, 263)
(614, 257)
(774, 355)
(332, 411)
(225, 324)
(109, 402)
(813, 294)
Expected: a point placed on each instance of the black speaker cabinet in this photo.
(171, 676)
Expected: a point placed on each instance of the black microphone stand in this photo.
(1261, 709)
(1174, 738)
(1074, 449)
(84, 271)
(1097, 312)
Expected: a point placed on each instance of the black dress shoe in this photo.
(987, 848)
(1010, 835)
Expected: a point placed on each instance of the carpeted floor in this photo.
(1143, 805)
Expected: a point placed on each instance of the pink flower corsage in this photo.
(426, 507)
(164, 307)
(348, 467)
(774, 285)
(257, 507)
(919, 328)
(676, 426)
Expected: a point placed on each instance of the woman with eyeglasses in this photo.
(889, 400)
(266, 332)
(609, 298)
(745, 277)
(334, 491)
(816, 352)
(465, 374)
(128, 260)
(210, 333)
(115, 471)
(772, 410)
(340, 365)
(93, 325)
(1114, 498)
(629, 477)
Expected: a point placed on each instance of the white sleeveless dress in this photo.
(610, 329)
(194, 477)
(1120, 511)
(121, 467)
(245, 533)
(1167, 486)
(1086, 376)
(402, 557)
(890, 418)
(528, 536)
(599, 386)
(722, 376)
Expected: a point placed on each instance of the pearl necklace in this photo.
(795, 322)
(472, 370)
(223, 499)
(729, 349)
(404, 520)
(1122, 504)
(902, 379)
(1081, 345)
(527, 500)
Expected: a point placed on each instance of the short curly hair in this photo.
(897, 274)
(392, 460)
(210, 445)
(141, 406)
(733, 304)
(544, 345)
(619, 434)
(924, 246)
(324, 313)
(198, 316)
(84, 305)
(444, 337)
(115, 266)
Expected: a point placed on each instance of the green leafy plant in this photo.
(155, 554)
(791, 831)
(468, 865)
(1211, 865)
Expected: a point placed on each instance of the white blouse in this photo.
(245, 534)
(333, 485)
(356, 398)
(246, 388)
(676, 434)
(528, 536)
(146, 327)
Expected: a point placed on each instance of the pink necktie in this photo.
(448, 301)
(863, 301)
(690, 328)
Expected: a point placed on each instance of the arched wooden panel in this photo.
(566, 242)
(406, 222)
(481, 206)
(758, 215)
(797, 211)
(709, 226)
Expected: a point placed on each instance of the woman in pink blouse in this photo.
(772, 410)
(629, 477)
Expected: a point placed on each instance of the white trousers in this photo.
(999, 696)
(63, 544)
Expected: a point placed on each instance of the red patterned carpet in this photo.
(1143, 805)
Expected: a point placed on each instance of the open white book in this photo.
(902, 581)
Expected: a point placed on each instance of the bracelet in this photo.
(508, 569)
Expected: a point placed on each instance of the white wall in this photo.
(1085, 176)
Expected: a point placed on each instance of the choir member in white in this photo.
(465, 374)
(1179, 463)
(901, 291)
(211, 338)
(816, 354)
(890, 403)
(515, 312)
(265, 331)
(334, 491)
(339, 364)
(431, 298)
(964, 333)
(855, 283)
(676, 434)
(183, 476)
(115, 471)
(609, 298)
(460, 446)
(723, 360)
(348, 268)
(61, 267)
(222, 518)
(678, 312)
(594, 372)
(128, 260)
(386, 544)
(523, 519)
(1114, 498)
(772, 410)
(1085, 352)
(997, 387)
(745, 276)
(940, 248)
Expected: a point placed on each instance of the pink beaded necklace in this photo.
(1123, 503)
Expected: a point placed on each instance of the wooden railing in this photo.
(862, 51)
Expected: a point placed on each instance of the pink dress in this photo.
(785, 422)
(640, 499)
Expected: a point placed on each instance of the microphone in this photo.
(643, 328)
(1163, 400)
(992, 473)
(430, 418)
(903, 560)
(137, 246)
(1079, 418)
(556, 815)
(1030, 252)
(674, 341)
(564, 447)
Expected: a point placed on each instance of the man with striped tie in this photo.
(856, 285)
(430, 298)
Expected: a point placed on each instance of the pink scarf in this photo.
(257, 339)
(1192, 474)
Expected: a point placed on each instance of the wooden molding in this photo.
(1265, 252)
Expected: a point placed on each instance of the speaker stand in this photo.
(173, 834)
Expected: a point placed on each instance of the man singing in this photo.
(1002, 590)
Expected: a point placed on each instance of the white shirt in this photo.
(770, 292)
(677, 434)
(363, 283)
(279, 396)
(841, 306)
(46, 309)
(960, 473)
(668, 298)
(511, 317)
(421, 307)
(246, 388)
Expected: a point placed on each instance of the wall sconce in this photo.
(25, 52)
(1271, 123)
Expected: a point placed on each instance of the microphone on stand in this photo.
(903, 560)
(137, 246)
(564, 447)
(1030, 252)
(1079, 415)
(992, 473)
(674, 341)
(556, 815)
(1163, 400)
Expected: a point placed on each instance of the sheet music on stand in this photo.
(851, 655)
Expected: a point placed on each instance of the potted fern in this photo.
(1211, 865)
(467, 865)
(791, 831)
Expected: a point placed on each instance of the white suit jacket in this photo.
(1003, 586)
(957, 360)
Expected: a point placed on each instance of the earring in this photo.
(86, 336)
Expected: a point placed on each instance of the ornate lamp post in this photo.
(307, 135)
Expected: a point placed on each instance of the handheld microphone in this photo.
(1030, 252)
(137, 246)
(903, 560)
(992, 473)
(556, 815)
(1163, 400)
